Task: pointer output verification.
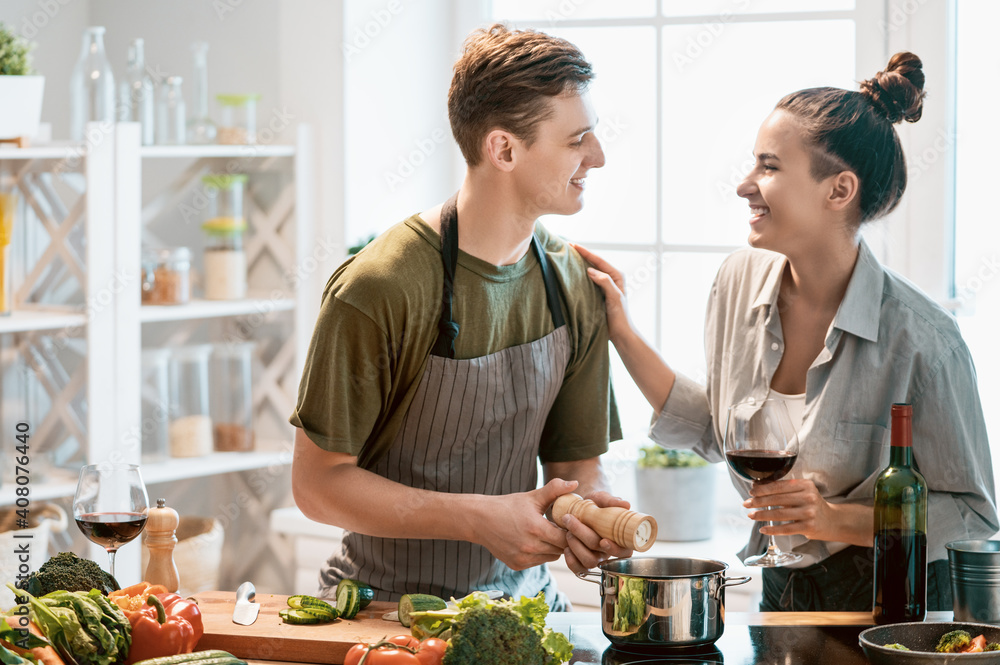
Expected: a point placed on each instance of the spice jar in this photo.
(238, 124)
(232, 397)
(225, 259)
(155, 398)
(191, 424)
(166, 276)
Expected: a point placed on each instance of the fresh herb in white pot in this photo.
(20, 89)
(677, 487)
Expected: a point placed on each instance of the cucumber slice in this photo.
(312, 604)
(348, 599)
(300, 617)
(418, 602)
(365, 593)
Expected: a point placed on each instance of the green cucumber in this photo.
(314, 606)
(208, 657)
(348, 599)
(365, 593)
(418, 602)
(302, 617)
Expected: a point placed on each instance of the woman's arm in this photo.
(647, 368)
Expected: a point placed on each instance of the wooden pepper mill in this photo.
(624, 527)
(161, 536)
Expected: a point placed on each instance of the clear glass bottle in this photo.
(92, 85)
(155, 397)
(225, 259)
(190, 429)
(238, 123)
(232, 397)
(170, 113)
(137, 93)
(200, 128)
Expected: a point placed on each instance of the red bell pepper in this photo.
(174, 605)
(154, 634)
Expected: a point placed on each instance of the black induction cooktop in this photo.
(739, 645)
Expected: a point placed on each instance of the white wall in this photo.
(400, 152)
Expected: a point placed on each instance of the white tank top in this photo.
(796, 405)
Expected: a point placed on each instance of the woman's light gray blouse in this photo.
(888, 343)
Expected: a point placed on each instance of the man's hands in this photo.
(807, 513)
(585, 549)
(518, 533)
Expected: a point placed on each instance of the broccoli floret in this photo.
(493, 635)
(68, 572)
(953, 642)
(992, 646)
(895, 645)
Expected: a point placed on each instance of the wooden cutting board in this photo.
(268, 638)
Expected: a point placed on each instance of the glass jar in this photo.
(200, 128)
(190, 430)
(166, 276)
(137, 93)
(155, 397)
(224, 226)
(237, 119)
(232, 397)
(170, 113)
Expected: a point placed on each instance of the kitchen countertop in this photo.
(750, 638)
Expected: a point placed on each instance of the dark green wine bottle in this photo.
(900, 530)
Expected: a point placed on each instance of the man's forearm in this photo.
(588, 472)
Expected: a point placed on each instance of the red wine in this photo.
(761, 465)
(111, 530)
(900, 530)
(901, 567)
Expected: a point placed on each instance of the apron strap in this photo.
(444, 345)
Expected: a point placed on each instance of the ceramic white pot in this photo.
(682, 499)
(21, 110)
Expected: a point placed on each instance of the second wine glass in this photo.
(110, 505)
(761, 445)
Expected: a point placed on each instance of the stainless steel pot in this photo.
(661, 601)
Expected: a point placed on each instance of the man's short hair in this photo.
(504, 80)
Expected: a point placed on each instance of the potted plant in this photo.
(20, 90)
(677, 487)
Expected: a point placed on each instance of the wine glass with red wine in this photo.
(761, 445)
(111, 505)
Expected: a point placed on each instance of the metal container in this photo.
(975, 579)
(662, 601)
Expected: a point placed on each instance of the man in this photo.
(462, 345)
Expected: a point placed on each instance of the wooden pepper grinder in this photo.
(626, 528)
(161, 536)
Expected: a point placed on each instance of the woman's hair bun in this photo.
(898, 90)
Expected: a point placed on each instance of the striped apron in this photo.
(474, 426)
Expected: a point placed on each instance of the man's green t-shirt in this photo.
(379, 320)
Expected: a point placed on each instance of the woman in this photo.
(817, 322)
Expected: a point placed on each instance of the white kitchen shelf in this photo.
(64, 150)
(207, 309)
(24, 320)
(61, 484)
(196, 151)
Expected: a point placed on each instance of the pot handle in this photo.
(583, 576)
(731, 581)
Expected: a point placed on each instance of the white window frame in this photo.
(917, 239)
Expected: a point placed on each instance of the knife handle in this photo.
(626, 528)
(161, 536)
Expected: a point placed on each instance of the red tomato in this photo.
(431, 651)
(405, 641)
(382, 655)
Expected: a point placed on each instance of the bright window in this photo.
(681, 89)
